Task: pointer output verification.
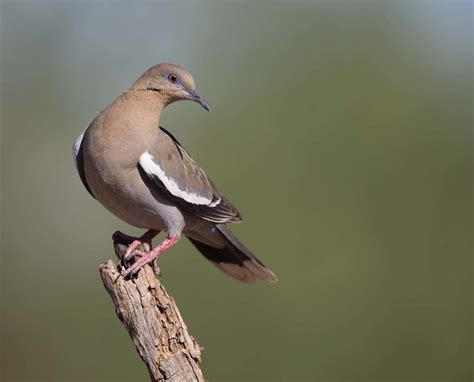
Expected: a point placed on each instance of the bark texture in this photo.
(153, 321)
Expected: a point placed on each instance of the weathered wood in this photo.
(153, 321)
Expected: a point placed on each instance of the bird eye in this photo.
(173, 77)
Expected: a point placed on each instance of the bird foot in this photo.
(128, 247)
(135, 246)
(146, 257)
(135, 250)
(138, 249)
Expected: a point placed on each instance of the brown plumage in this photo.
(143, 175)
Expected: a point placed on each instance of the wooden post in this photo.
(153, 321)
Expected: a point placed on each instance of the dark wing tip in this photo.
(235, 260)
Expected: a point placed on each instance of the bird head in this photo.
(172, 83)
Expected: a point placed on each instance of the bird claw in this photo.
(133, 268)
(135, 250)
(139, 248)
(125, 272)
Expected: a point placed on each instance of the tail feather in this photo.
(234, 259)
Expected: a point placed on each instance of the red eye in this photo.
(173, 77)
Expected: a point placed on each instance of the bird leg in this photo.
(150, 255)
(145, 240)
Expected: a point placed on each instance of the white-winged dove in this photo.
(143, 175)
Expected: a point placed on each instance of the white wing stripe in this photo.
(150, 167)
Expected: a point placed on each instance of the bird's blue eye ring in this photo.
(173, 77)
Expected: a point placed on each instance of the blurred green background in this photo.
(341, 130)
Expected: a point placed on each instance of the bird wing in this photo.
(168, 168)
(77, 154)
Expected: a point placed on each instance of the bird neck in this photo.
(145, 103)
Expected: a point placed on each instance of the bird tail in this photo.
(234, 259)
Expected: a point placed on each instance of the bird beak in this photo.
(194, 96)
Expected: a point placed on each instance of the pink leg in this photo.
(150, 256)
(145, 239)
